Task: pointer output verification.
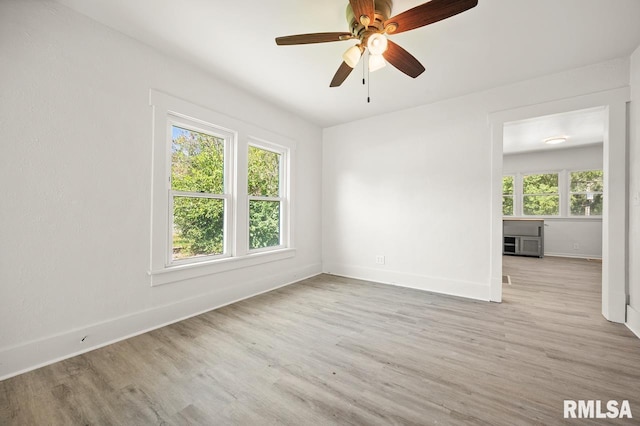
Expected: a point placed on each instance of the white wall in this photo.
(561, 234)
(579, 158)
(75, 168)
(633, 310)
(416, 185)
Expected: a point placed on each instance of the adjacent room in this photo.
(226, 213)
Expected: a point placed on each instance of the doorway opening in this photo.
(552, 204)
(612, 105)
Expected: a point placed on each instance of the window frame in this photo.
(283, 194)
(564, 192)
(512, 195)
(570, 193)
(558, 193)
(227, 191)
(167, 109)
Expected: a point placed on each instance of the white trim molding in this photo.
(467, 289)
(238, 135)
(633, 320)
(614, 237)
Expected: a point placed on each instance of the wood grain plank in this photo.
(332, 350)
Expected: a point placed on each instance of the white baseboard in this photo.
(575, 256)
(38, 353)
(633, 320)
(468, 289)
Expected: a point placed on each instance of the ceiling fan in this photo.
(369, 23)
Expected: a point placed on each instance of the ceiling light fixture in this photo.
(377, 44)
(352, 55)
(369, 21)
(376, 62)
(555, 141)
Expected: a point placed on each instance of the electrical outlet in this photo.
(576, 246)
(380, 259)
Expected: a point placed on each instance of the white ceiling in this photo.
(496, 43)
(584, 127)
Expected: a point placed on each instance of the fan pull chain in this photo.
(366, 63)
(368, 85)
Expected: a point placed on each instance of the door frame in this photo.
(614, 216)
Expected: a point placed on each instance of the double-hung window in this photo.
(585, 193)
(540, 196)
(221, 191)
(266, 196)
(199, 196)
(564, 194)
(507, 195)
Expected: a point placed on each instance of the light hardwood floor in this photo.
(331, 350)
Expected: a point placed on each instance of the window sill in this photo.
(555, 218)
(183, 272)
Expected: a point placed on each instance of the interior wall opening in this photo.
(614, 146)
(552, 185)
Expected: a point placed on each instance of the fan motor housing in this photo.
(383, 12)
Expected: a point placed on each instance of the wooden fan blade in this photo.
(341, 75)
(363, 8)
(402, 60)
(312, 38)
(428, 13)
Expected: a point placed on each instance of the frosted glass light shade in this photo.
(377, 44)
(555, 141)
(352, 56)
(376, 62)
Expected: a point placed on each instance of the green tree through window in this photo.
(265, 202)
(220, 198)
(586, 193)
(507, 195)
(540, 195)
(197, 187)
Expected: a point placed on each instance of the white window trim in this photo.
(512, 195)
(569, 194)
(522, 194)
(563, 192)
(161, 271)
(283, 197)
(229, 138)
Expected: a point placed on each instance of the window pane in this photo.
(264, 224)
(540, 184)
(507, 185)
(541, 205)
(264, 173)
(507, 206)
(198, 227)
(586, 204)
(589, 181)
(197, 162)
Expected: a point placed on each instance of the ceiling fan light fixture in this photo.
(376, 62)
(352, 56)
(377, 44)
(369, 22)
(555, 141)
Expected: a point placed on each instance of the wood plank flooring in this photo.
(332, 350)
